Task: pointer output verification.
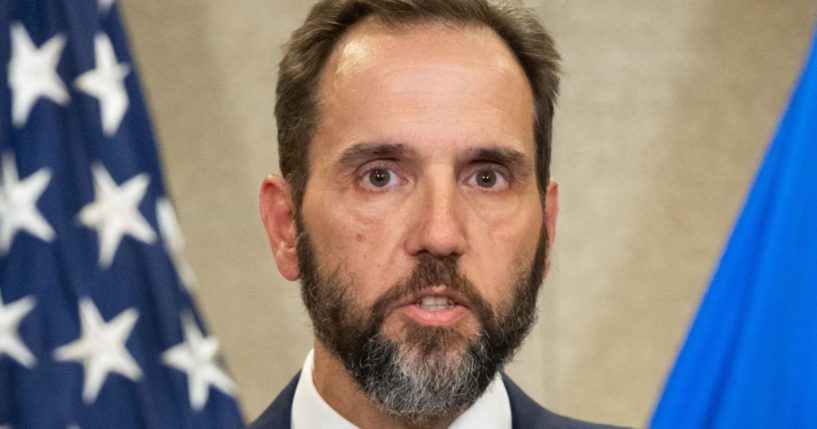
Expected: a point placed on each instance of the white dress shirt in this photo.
(309, 411)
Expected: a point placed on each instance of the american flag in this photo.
(98, 328)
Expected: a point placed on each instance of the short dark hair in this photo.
(305, 55)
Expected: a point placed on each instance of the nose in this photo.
(438, 227)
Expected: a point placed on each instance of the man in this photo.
(417, 210)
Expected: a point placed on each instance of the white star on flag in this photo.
(106, 83)
(10, 343)
(196, 357)
(18, 204)
(101, 348)
(174, 241)
(115, 212)
(105, 6)
(33, 73)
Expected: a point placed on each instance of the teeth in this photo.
(435, 303)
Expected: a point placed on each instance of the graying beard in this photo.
(421, 383)
(416, 388)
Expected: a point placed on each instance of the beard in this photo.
(435, 371)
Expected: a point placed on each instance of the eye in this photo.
(379, 178)
(487, 178)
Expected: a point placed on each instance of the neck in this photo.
(337, 387)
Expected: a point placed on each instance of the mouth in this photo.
(436, 306)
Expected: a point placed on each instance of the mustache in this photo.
(428, 272)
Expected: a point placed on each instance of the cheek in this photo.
(502, 245)
(361, 242)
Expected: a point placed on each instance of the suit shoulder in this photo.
(526, 413)
(279, 414)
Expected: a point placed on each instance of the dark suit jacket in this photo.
(526, 413)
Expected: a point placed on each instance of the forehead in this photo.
(372, 41)
(432, 81)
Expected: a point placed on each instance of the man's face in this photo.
(423, 227)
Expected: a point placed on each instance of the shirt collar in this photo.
(310, 411)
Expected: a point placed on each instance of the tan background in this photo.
(667, 107)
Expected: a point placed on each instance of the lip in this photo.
(442, 318)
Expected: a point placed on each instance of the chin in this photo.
(439, 344)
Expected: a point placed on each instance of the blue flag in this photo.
(750, 358)
(97, 325)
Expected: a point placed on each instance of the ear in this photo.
(278, 215)
(551, 213)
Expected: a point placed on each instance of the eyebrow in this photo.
(511, 158)
(360, 153)
(354, 155)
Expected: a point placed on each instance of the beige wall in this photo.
(666, 110)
